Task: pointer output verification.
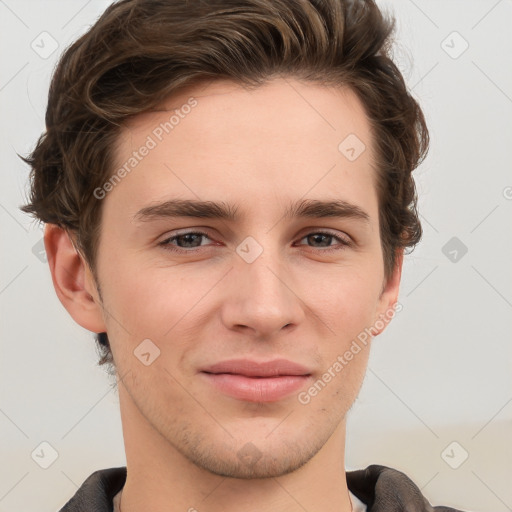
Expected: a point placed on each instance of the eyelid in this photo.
(345, 237)
(196, 231)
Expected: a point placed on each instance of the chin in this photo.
(243, 457)
(250, 463)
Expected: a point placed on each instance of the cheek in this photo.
(164, 305)
(148, 302)
(333, 391)
(348, 304)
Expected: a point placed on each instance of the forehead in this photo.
(217, 138)
(311, 107)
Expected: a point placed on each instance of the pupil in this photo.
(316, 239)
(190, 236)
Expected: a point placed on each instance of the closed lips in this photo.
(250, 368)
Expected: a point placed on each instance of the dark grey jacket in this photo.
(382, 489)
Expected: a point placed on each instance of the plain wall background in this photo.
(441, 372)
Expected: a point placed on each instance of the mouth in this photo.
(254, 381)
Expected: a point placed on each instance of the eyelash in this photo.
(169, 247)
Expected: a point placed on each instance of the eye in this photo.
(325, 238)
(184, 241)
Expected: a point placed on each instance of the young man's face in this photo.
(204, 300)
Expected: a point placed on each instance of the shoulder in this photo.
(384, 489)
(98, 491)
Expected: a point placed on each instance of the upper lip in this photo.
(250, 368)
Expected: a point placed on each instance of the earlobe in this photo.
(73, 283)
(389, 296)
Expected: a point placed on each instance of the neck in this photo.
(161, 479)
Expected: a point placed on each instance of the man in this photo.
(228, 194)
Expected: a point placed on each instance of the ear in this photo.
(389, 296)
(73, 280)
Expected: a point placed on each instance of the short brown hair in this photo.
(141, 51)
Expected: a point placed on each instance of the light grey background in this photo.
(441, 372)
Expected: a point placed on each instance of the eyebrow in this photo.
(306, 208)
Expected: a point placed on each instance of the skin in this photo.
(259, 149)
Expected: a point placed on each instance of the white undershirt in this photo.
(357, 504)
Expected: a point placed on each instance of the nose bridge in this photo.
(261, 294)
(260, 271)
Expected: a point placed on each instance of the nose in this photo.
(260, 296)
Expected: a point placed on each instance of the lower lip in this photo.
(257, 389)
